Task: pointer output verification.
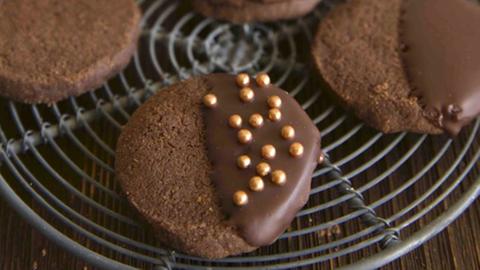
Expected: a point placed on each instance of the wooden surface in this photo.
(22, 247)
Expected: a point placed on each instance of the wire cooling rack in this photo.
(375, 198)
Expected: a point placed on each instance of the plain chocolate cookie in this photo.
(241, 11)
(51, 49)
(213, 169)
(357, 51)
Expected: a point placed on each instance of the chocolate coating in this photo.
(268, 213)
(442, 59)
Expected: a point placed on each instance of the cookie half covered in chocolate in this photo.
(218, 165)
(50, 50)
(240, 11)
(400, 65)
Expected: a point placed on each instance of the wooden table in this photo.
(22, 247)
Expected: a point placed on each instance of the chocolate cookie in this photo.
(50, 50)
(357, 51)
(241, 11)
(397, 72)
(218, 165)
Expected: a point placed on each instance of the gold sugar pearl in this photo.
(263, 80)
(245, 136)
(240, 198)
(244, 161)
(279, 177)
(210, 100)
(288, 132)
(296, 149)
(235, 121)
(263, 168)
(269, 151)
(256, 120)
(256, 184)
(243, 79)
(275, 115)
(274, 102)
(247, 94)
(321, 158)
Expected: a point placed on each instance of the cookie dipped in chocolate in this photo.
(442, 59)
(263, 148)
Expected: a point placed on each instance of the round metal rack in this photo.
(376, 194)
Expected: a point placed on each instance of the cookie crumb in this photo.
(44, 252)
(35, 265)
(379, 88)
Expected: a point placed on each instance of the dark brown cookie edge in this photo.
(255, 11)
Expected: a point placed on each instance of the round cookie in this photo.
(192, 161)
(357, 51)
(241, 11)
(50, 50)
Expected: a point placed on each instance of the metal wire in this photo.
(60, 158)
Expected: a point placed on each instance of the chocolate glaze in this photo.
(268, 213)
(442, 59)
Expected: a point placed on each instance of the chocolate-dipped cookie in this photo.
(400, 66)
(218, 165)
(50, 50)
(241, 11)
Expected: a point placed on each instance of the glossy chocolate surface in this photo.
(269, 212)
